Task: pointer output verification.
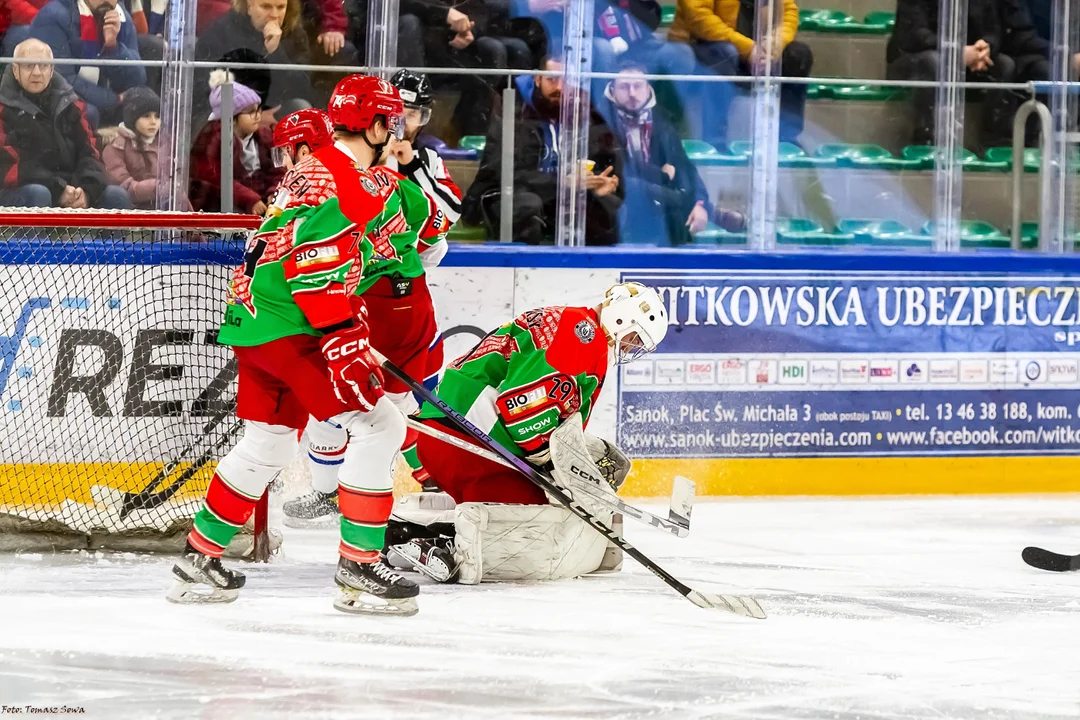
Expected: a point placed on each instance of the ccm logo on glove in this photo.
(354, 371)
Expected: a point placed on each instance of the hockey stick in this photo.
(148, 499)
(1049, 560)
(738, 604)
(682, 489)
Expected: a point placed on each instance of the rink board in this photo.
(120, 313)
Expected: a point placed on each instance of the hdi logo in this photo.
(9, 346)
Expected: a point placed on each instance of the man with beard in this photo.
(536, 168)
(92, 30)
(666, 197)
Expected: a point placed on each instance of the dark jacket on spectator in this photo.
(536, 134)
(59, 26)
(1004, 24)
(248, 188)
(133, 165)
(46, 140)
(647, 184)
(233, 31)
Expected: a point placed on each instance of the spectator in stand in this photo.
(624, 33)
(536, 168)
(254, 174)
(132, 158)
(1002, 47)
(149, 19)
(15, 19)
(90, 30)
(272, 31)
(466, 34)
(413, 16)
(666, 199)
(48, 156)
(721, 33)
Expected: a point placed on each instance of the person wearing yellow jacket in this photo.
(722, 32)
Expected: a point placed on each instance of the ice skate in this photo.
(203, 579)
(374, 589)
(312, 510)
(432, 557)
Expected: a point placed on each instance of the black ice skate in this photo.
(433, 557)
(203, 579)
(312, 510)
(374, 589)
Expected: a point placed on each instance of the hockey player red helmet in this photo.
(309, 126)
(359, 99)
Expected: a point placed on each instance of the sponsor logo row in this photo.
(737, 371)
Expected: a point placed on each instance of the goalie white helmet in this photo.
(633, 317)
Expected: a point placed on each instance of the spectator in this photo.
(721, 33)
(536, 169)
(624, 32)
(254, 173)
(90, 30)
(466, 36)
(413, 16)
(15, 19)
(272, 32)
(1002, 47)
(665, 197)
(149, 18)
(48, 157)
(132, 158)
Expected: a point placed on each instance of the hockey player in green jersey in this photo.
(303, 349)
(519, 385)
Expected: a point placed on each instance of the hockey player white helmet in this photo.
(633, 317)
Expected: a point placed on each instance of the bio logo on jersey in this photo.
(305, 258)
(381, 238)
(523, 402)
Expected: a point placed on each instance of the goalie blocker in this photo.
(535, 376)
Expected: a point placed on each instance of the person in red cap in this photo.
(302, 345)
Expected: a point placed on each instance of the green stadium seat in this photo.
(1029, 236)
(975, 234)
(817, 92)
(667, 15)
(1032, 158)
(866, 93)
(970, 162)
(838, 21)
(715, 235)
(790, 155)
(866, 157)
(884, 20)
(802, 231)
(702, 153)
(883, 233)
(473, 142)
(467, 233)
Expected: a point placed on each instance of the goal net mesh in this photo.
(117, 400)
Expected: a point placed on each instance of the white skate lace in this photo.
(384, 572)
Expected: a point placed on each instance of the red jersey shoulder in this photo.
(578, 344)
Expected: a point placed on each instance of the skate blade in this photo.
(183, 593)
(446, 575)
(320, 523)
(355, 602)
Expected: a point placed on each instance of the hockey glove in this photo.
(356, 374)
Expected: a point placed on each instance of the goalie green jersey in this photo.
(528, 376)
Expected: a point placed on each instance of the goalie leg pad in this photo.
(524, 542)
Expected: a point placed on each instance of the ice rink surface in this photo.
(879, 608)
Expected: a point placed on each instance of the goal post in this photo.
(117, 400)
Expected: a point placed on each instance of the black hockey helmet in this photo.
(414, 88)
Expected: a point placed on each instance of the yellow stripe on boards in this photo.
(857, 476)
(49, 484)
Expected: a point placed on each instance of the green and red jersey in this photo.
(522, 380)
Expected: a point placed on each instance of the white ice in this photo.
(879, 608)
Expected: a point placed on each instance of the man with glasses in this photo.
(48, 157)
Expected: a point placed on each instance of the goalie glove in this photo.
(612, 462)
(356, 374)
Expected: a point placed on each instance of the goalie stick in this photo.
(1048, 560)
(682, 491)
(738, 604)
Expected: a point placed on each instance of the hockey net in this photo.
(117, 400)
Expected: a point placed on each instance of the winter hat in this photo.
(243, 96)
(137, 102)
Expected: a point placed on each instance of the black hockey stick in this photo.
(1048, 560)
(148, 498)
(738, 604)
